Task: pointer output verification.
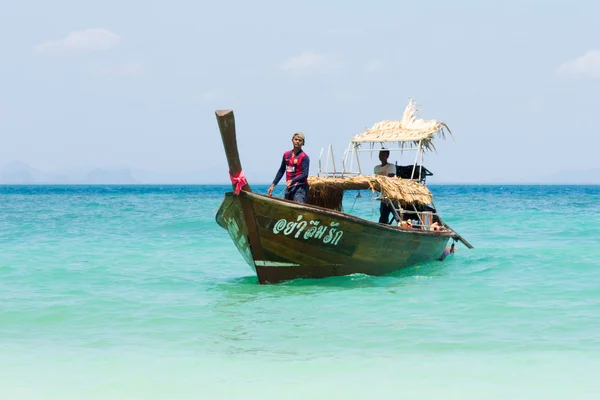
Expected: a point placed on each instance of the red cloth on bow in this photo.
(239, 181)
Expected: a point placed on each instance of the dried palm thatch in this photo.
(328, 192)
(407, 132)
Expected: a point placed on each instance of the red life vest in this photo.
(293, 165)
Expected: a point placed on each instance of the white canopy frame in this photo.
(411, 133)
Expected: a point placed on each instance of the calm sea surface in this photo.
(134, 292)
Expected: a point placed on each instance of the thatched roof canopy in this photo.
(407, 132)
(328, 192)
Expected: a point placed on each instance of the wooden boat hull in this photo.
(283, 240)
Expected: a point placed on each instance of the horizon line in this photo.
(269, 183)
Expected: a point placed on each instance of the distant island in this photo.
(20, 173)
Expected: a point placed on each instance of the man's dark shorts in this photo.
(298, 193)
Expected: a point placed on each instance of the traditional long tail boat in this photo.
(283, 240)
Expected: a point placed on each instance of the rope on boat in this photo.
(239, 181)
(357, 196)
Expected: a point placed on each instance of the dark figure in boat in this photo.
(295, 163)
(385, 169)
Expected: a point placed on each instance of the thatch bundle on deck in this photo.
(329, 192)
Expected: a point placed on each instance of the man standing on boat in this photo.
(295, 164)
(385, 169)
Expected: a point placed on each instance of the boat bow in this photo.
(226, 121)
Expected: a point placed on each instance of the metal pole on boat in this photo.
(344, 162)
(412, 175)
(460, 238)
(351, 156)
(320, 157)
(333, 160)
(456, 235)
(421, 167)
(358, 161)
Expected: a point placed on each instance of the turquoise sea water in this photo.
(134, 292)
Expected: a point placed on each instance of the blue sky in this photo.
(135, 83)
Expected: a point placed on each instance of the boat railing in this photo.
(329, 168)
(333, 171)
(415, 218)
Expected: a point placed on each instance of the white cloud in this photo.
(125, 69)
(309, 63)
(83, 41)
(375, 66)
(587, 65)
